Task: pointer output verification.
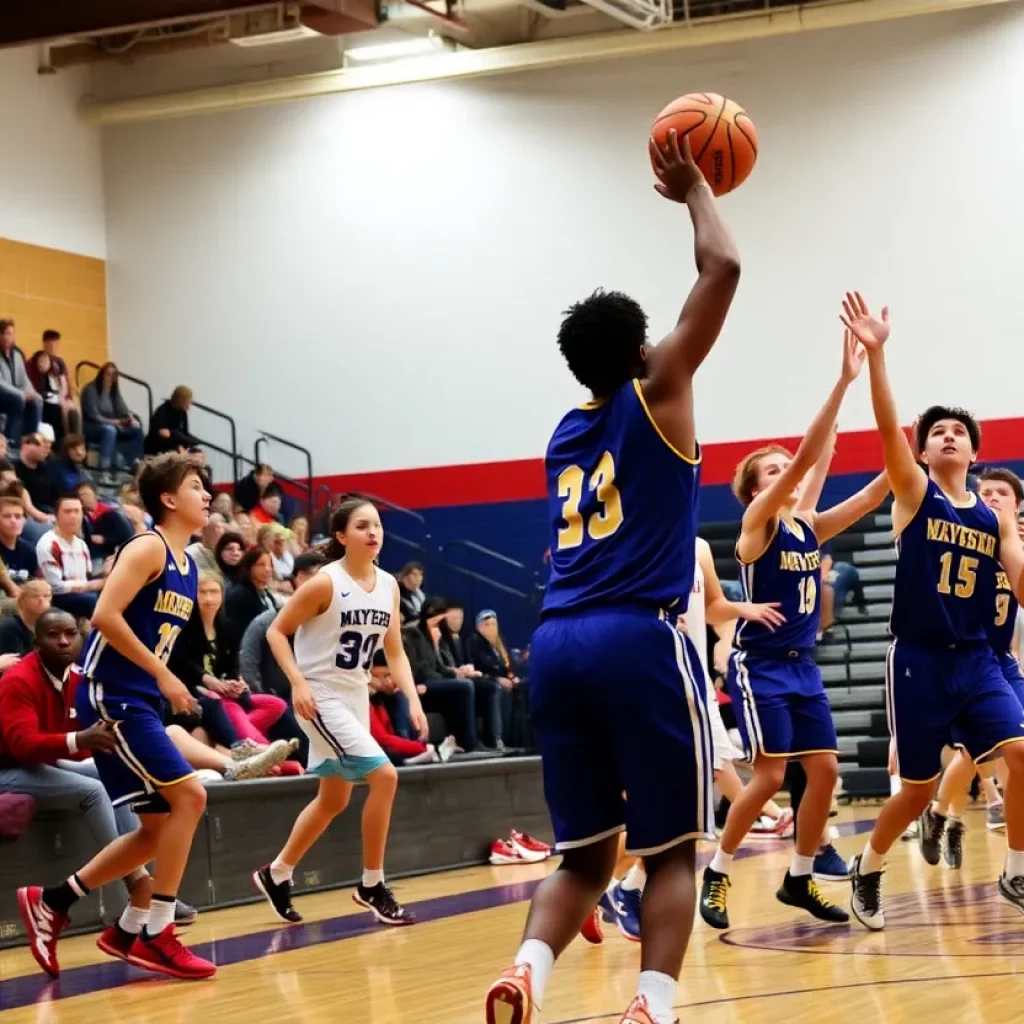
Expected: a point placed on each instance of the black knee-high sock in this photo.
(61, 898)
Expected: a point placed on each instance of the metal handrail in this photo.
(391, 506)
(234, 434)
(121, 374)
(470, 545)
(266, 436)
(479, 577)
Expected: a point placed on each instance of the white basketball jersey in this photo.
(696, 620)
(337, 647)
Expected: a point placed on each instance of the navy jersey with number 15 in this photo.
(622, 506)
(156, 616)
(788, 572)
(946, 573)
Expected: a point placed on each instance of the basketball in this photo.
(723, 139)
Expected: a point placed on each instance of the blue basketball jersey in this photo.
(1000, 634)
(947, 560)
(156, 616)
(623, 509)
(789, 572)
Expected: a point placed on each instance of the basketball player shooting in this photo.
(617, 694)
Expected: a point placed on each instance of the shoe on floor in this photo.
(592, 930)
(42, 926)
(995, 818)
(166, 955)
(510, 998)
(637, 1012)
(184, 914)
(1012, 891)
(953, 844)
(803, 892)
(381, 902)
(531, 849)
(279, 895)
(713, 899)
(829, 866)
(115, 941)
(929, 835)
(866, 902)
(503, 852)
(626, 911)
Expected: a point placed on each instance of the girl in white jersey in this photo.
(340, 617)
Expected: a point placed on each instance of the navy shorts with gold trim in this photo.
(145, 760)
(942, 696)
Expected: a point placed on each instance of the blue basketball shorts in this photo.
(1012, 674)
(618, 704)
(145, 760)
(943, 696)
(780, 704)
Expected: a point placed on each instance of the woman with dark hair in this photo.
(450, 692)
(250, 594)
(330, 676)
(229, 552)
(107, 420)
(410, 588)
(205, 659)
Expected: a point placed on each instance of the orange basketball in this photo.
(723, 139)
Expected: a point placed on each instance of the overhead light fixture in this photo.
(285, 35)
(413, 47)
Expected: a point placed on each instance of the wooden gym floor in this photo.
(951, 952)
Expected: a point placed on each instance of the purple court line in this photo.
(25, 990)
(802, 992)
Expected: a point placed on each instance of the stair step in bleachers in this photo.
(878, 592)
(875, 556)
(849, 722)
(868, 698)
(861, 651)
(876, 573)
(873, 671)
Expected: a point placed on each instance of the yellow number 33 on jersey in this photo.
(601, 523)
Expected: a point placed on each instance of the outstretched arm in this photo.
(769, 502)
(842, 516)
(814, 482)
(906, 478)
(668, 389)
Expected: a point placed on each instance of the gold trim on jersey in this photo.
(695, 461)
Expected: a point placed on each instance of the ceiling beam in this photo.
(43, 20)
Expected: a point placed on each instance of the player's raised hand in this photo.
(854, 354)
(870, 331)
(303, 702)
(676, 169)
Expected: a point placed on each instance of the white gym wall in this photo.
(380, 274)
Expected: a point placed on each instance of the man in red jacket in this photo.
(42, 753)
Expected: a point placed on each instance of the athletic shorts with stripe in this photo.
(780, 703)
(339, 735)
(618, 703)
(145, 760)
(1013, 675)
(941, 696)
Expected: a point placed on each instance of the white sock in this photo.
(895, 784)
(998, 802)
(161, 914)
(800, 866)
(372, 878)
(133, 920)
(721, 862)
(660, 992)
(636, 879)
(541, 959)
(281, 872)
(1014, 863)
(871, 860)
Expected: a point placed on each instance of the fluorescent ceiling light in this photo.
(402, 48)
(285, 35)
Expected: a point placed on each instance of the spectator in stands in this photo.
(66, 561)
(68, 469)
(109, 422)
(410, 591)
(52, 415)
(401, 750)
(18, 555)
(223, 505)
(204, 470)
(17, 631)
(168, 429)
(838, 581)
(451, 695)
(268, 510)
(205, 659)
(204, 550)
(20, 403)
(492, 700)
(43, 755)
(229, 552)
(487, 650)
(300, 535)
(250, 594)
(40, 486)
(258, 666)
(252, 485)
(273, 539)
(246, 527)
(49, 374)
(105, 527)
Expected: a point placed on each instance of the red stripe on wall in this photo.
(857, 451)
